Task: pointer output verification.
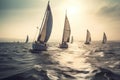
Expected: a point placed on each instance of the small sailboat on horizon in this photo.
(44, 32)
(66, 33)
(104, 38)
(27, 39)
(72, 39)
(88, 37)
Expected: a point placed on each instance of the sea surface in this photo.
(79, 62)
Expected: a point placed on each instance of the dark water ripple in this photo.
(79, 62)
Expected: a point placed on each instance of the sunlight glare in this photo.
(72, 10)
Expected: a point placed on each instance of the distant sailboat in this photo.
(72, 39)
(45, 31)
(88, 37)
(27, 39)
(66, 33)
(104, 38)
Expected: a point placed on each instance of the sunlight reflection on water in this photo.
(75, 59)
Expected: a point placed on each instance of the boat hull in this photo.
(63, 46)
(87, 43)
(36, 47)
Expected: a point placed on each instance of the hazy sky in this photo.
(19, 18)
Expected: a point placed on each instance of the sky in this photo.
(19, 18)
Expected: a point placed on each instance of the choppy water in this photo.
(79, 62)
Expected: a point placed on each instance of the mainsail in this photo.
(67, 31)
(104, 38)
(88, 37)
(46, 26)
(27, 39)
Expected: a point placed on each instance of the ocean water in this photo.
(79, 62)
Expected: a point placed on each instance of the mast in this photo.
(46, 26)
(49, 24)
(64, 27)
(66, 30)
(42, 24)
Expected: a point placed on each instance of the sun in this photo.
(72, 10)
(72, 7)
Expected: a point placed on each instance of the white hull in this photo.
(63, 45)
(39, 47)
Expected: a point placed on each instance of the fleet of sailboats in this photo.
(88, 37)
(44, 32)
(66, 33)
(104, 38)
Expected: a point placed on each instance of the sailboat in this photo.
(72, 39)
(27, 39)
(104, 38)
(44, 32)
(66, 33)
(88, 37)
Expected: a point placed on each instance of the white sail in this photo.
(88, 37)
(27, 39)
(46, 26)
(104, 38)
(67, 31)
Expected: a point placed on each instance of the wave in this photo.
(74, 63)
(30, 75)
(106, 74)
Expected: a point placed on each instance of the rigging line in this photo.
(43, 20)
(64, 26)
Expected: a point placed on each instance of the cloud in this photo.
(111, 10)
